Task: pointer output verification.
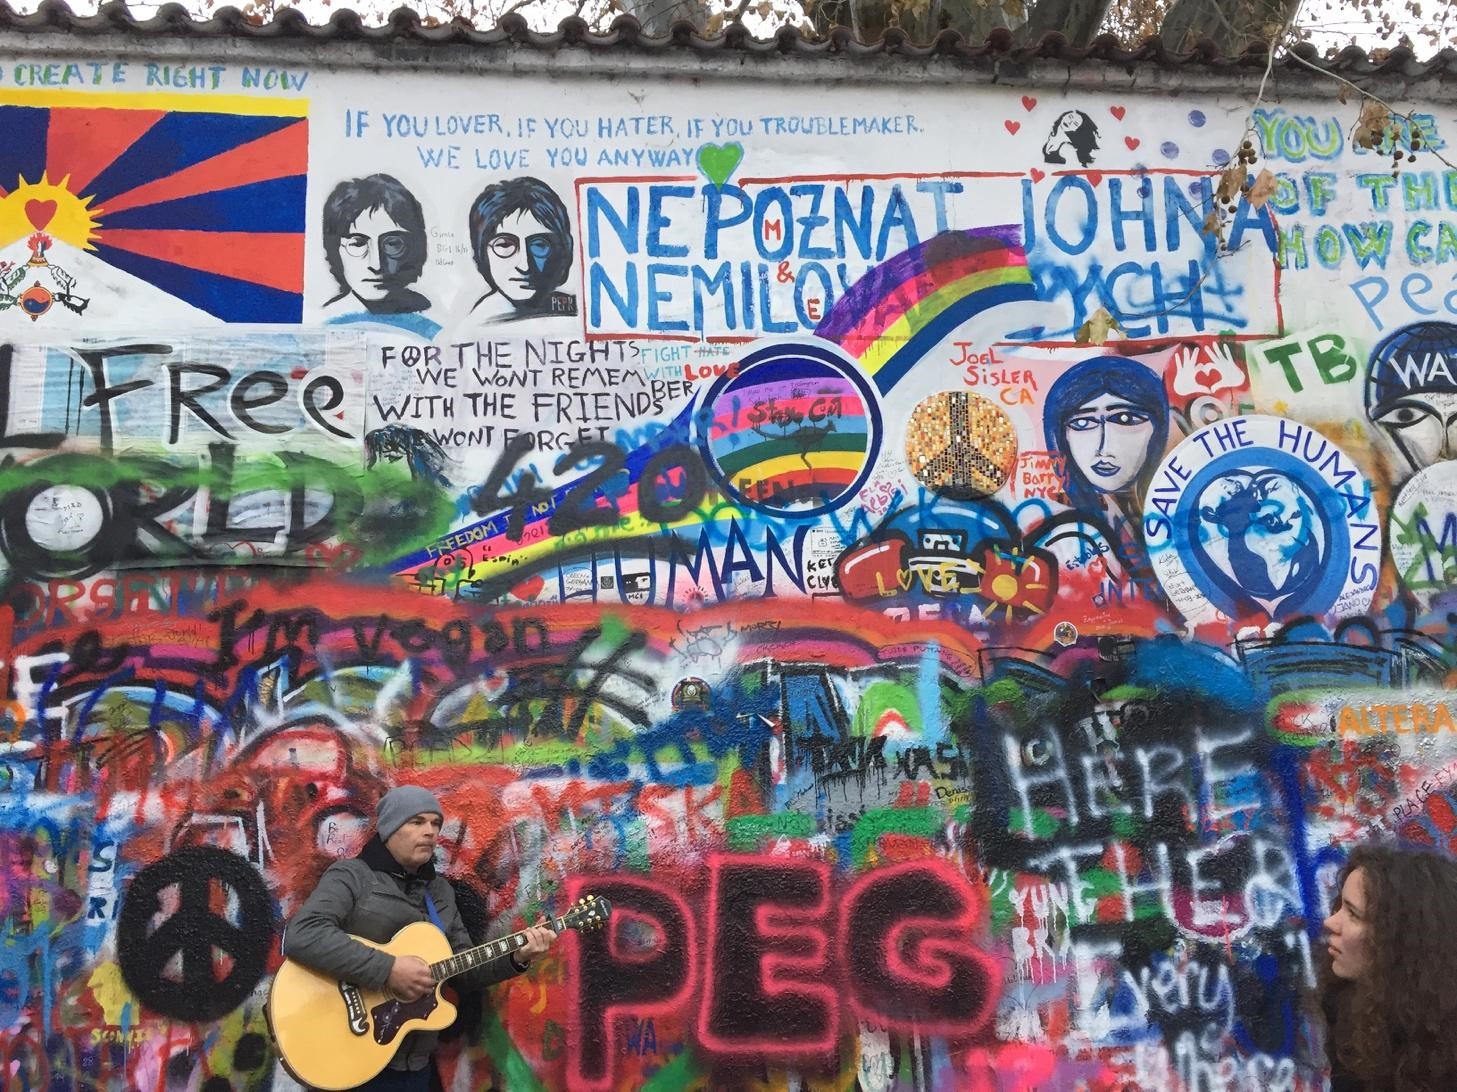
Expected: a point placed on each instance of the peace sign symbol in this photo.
(206, 880)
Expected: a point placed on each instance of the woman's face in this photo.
(1068, 122)
(1107, 438)
(372, 253)
(1346, 930)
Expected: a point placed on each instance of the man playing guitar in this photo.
(391, 884)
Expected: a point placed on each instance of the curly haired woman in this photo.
(1388, 983)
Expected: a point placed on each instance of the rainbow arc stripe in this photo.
(892, 316)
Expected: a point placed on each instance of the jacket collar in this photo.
(379, 858)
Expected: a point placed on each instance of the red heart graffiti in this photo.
(1012, 126)
(1132, 142)
(1094, 177)
(39, 213)
(529, 588)
(1117, 111)
(1028, 102)
(1037, 176)
(1206, 378)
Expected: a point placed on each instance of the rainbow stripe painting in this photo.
(200, 198)
(794, 430)
(891, 317)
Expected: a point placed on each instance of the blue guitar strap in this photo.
(434, 913)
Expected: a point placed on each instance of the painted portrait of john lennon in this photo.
(1263, 538)
(375, 244)
(521, 235)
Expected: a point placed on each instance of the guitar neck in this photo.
(472, 958)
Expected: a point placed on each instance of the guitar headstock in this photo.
(588, 912)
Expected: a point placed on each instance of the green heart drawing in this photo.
(718, 161)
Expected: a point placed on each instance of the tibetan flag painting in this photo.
(165, 206)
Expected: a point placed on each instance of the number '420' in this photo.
(668, 484)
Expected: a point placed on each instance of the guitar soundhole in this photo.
(391, 1016)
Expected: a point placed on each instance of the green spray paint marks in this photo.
(677, 1075)
(1044, 823)
(884, 698)
(920, 822)
(515, 1068)
(749, 832)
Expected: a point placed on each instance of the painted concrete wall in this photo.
(698, 482)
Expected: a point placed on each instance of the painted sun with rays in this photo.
(48, 207)
(193, 198)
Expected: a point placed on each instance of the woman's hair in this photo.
(1084, 138)
(1394, 1027)
(352, 198)
(1081, 383)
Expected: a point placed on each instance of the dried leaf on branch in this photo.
(1262, 190)
(1096, 330)
(1372, 125)
(1231, 183)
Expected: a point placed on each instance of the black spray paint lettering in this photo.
(219, 399)
(671, 484)
(147, 512)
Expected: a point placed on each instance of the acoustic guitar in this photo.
(334, 1035)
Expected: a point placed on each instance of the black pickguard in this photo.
(390, 1016)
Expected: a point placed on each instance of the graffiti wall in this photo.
(728, 502)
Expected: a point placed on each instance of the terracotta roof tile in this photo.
(625, 33)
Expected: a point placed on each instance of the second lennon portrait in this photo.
(1108, 420)
(521, 236)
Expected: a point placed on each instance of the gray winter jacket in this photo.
(373, 897)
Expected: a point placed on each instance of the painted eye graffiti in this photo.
(394, 245)
(504, 246)
(1127, 418)
(1406, 414)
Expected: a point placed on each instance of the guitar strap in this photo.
(434, 913)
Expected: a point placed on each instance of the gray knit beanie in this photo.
(402, 804)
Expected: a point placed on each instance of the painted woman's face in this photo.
(371, 253)
(1068, 122)
(1107, 438)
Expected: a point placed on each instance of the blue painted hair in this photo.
(1080, 384)
(516, 195)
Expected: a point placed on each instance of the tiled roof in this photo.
(626, 34)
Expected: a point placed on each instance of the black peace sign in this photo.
(192, 933)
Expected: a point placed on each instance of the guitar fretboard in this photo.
(472, 958)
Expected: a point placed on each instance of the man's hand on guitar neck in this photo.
(539, 939)
(410, 978)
